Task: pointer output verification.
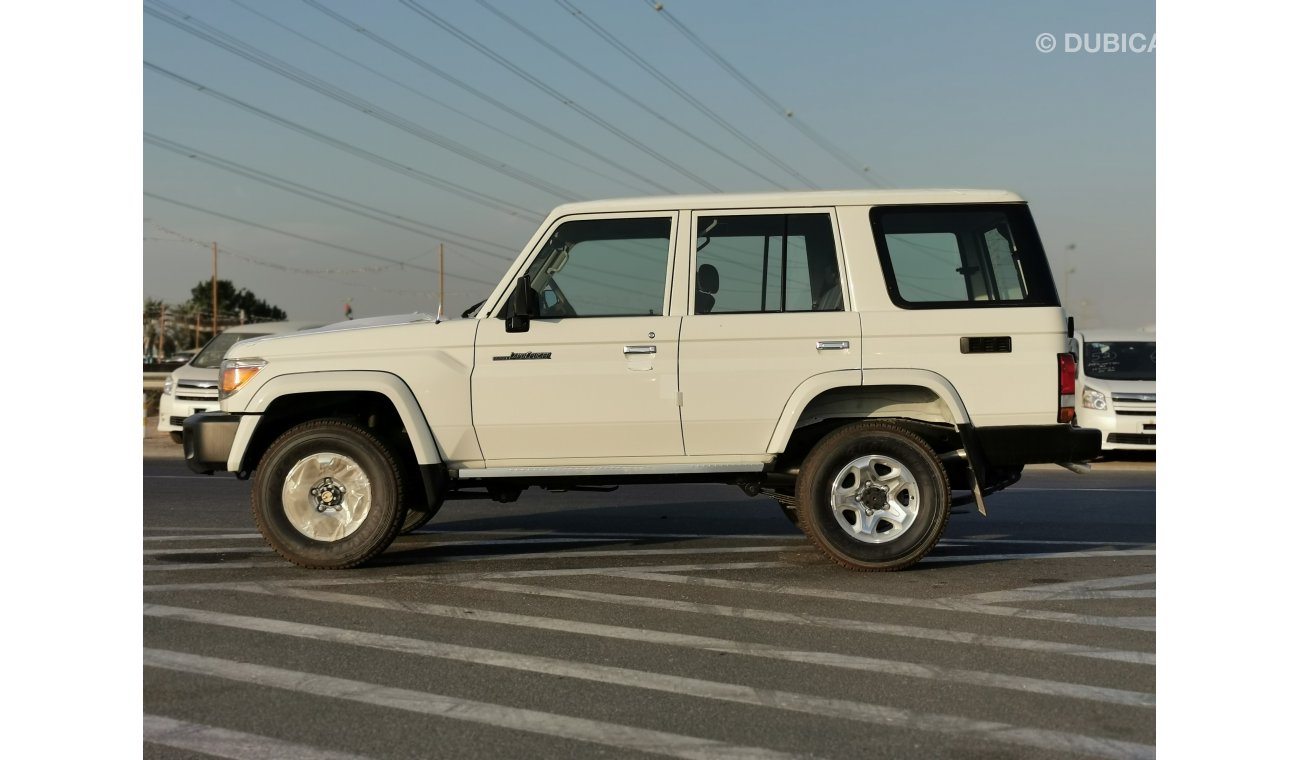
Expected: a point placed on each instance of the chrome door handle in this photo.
(832, 345)
(638, 349)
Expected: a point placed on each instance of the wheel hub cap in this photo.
(326, 496)
(875, 499)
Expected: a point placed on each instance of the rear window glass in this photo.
(970, 256)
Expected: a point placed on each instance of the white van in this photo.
(1116, 388)
(192, 387)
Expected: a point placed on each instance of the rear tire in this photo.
(328, 495)
(873, 496)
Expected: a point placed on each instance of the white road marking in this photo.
(947, 605)
(707, 643)
(821, 706)
(236, 745)
(863, 626)
(620, 737)
(1094, 588)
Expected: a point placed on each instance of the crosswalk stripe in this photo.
(946, 605)
(798, 618)
(828, 659)
(235, 745)
(790, 701)
(624, 738)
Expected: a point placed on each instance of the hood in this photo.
(355, 338)
(1118, 386)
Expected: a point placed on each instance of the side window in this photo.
(603, 268)
(766, 263)
(962, 256)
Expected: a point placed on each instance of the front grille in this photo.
(1136, 412)
(178, 421)
(1135, 398)
(1132, 438)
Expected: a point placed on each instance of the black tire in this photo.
(176, 436)
(791, 513)
(895, 499)
(328, 495)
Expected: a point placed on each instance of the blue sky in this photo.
(925, 94)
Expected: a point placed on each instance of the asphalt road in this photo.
(682, 621)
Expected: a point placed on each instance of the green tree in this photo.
(230, 300)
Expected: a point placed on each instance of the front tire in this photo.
(873, 496)
(328, 495)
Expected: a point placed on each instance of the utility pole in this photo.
(162, 332)
(440, 282)
(214, 288)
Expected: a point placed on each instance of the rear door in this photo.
(768, 311)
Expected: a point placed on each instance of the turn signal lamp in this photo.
(235, 374)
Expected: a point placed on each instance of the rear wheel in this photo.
(328, 494)
(873, 496)
(176, 436)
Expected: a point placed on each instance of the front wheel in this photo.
(328, 495)
(873, 496)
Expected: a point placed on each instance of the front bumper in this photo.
(173, 411)
(209, 437)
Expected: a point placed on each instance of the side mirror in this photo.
(523, 306)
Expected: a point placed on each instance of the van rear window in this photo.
(962, 256)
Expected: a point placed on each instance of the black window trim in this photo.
(1049, 300)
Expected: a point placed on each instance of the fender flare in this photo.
(386, 384)
(818, 384)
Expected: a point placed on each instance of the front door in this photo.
(595, 376)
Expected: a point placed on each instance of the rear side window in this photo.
(971, 256)
(760, 263)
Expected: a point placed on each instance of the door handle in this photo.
(638, 349)
(832, 345)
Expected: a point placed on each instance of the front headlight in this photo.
(1094, 399)
(168, 384)
(235, 374)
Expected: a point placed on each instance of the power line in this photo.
(561, 97)
(785, 113)
(667, 122)
(683, 94)
(435, 101)
(321, 196)
(304, 238)
(213, 36)
(496, 203)
(418, 61)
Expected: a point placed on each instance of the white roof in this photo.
(791, 199)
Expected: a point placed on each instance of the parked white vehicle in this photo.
(1116, 389)
(192, 387)
(856, 355)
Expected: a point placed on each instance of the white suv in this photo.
(192, 387)
(855, 355)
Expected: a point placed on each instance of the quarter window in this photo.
(962, 256)
(766, 263)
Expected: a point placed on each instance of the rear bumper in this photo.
(1038, 444)
(209, 437)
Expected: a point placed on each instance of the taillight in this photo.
(1066, 372)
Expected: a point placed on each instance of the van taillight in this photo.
(1066, 372)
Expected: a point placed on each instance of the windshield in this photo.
(1120, 361)
(211, 355)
